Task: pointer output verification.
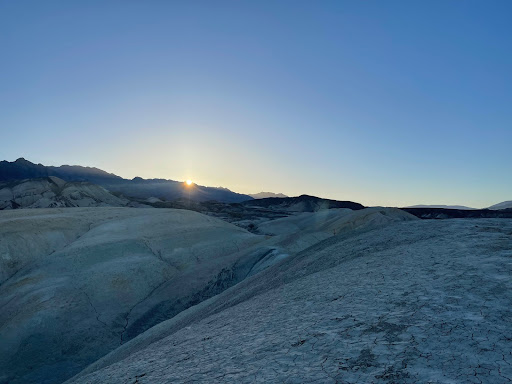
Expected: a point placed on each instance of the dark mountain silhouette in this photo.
(79, 173)
(302, 203)
(440, 213)
(22, 169)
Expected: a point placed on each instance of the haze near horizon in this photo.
(383, 103)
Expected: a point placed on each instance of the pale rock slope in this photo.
(297, 232)
(51, 192)
(78, 282)
(406, 302)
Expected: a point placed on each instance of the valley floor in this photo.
(413, 302)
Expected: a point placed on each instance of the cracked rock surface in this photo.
(410, 302)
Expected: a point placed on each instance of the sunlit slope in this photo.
(78, 282)
(414, 301)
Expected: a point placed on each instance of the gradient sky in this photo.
(380, 102)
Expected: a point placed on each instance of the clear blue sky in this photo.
(380, 102)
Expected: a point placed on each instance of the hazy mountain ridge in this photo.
(264, 195)
(80, 173)
(462, 207)
(22, 169)
(503, 205)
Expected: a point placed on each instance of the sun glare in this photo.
(189, 182)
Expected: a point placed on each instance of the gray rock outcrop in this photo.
(52, 192)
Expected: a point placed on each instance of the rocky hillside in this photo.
(52, 192)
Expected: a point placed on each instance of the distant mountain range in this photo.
(499, 206)
(461, 207)
(140, 188)
(264, 195)
(504, 205)
(443, 213)
(169, 190)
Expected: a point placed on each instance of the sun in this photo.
(189, 182)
